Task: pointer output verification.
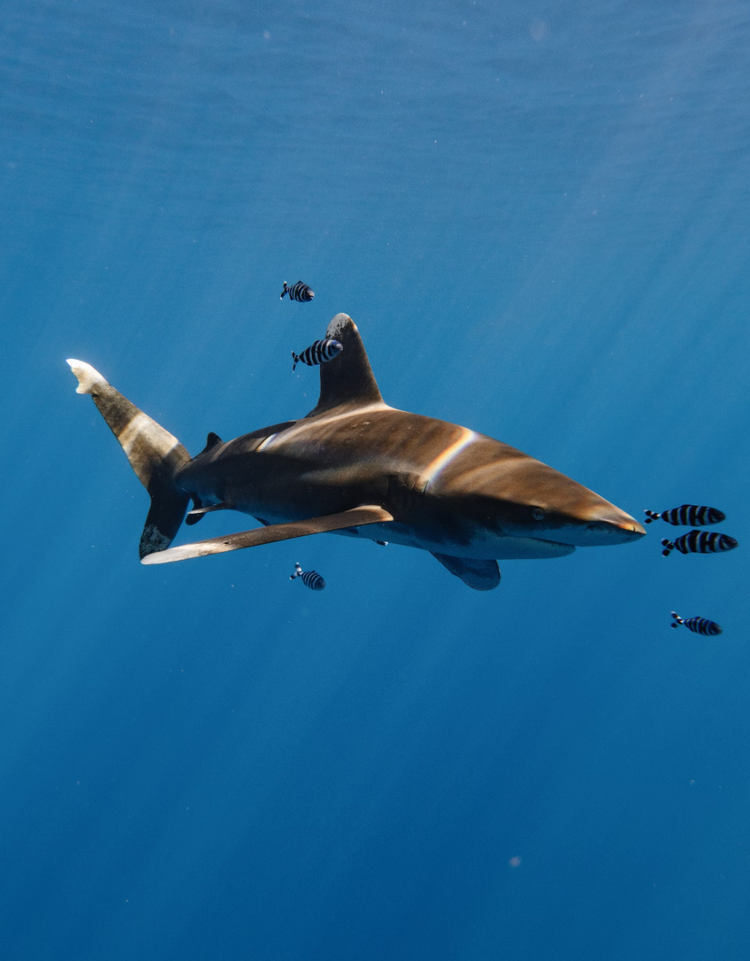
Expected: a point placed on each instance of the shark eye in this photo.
(537, 513)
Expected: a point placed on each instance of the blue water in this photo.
(537, 216)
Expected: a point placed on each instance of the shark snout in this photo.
(611, 526)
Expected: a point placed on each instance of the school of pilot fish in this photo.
(694, 542)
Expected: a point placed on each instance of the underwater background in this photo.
(537, 215)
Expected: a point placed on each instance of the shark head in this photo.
(577, 516)
(521, 497)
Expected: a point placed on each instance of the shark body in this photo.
(358, 467)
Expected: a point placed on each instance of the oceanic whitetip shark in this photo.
(356, 466)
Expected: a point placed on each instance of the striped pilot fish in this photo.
(299, 292)
(698, 625)
(688, 515)
(700, 542)
(318, 353)
(310, 579)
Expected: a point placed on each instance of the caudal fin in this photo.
(154, 454)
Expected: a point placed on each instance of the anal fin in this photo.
(477, 574)
(357, 517)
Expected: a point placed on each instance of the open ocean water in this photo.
(538, 217)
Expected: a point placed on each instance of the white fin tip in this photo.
(88, 377)
(337, 325)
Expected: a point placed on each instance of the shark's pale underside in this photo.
(356, 466)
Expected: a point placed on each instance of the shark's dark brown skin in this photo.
(356, 466)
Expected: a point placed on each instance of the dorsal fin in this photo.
(346, 381)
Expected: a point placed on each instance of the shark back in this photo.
(347, 382)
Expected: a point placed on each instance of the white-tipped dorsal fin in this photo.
(88, 378)
(347, 380)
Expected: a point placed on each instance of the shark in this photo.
(357, 467)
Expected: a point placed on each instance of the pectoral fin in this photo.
(357, 517)
(480, 575)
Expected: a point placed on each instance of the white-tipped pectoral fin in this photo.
(357, 517)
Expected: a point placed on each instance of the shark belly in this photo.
(480, 546)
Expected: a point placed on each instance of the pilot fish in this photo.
(310, 579)
(688, 515)
(700, 542)
(299, 292)
(698, 625)
(318, 353)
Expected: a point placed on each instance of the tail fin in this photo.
(154, 454)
